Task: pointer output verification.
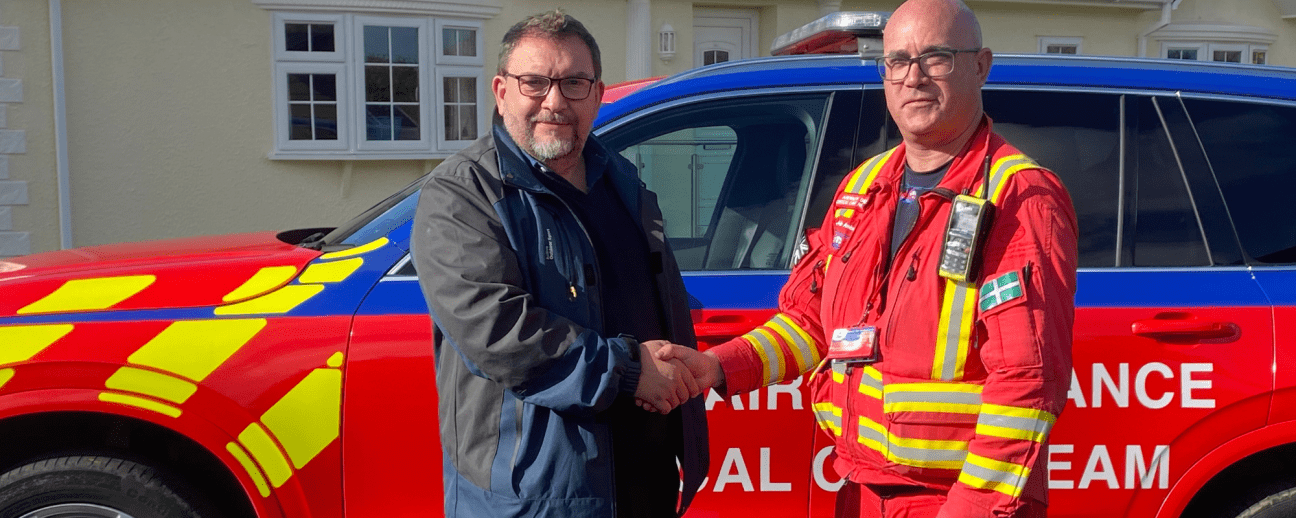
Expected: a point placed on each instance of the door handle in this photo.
(724, 326)
(1180, 329)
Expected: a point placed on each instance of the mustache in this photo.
(553, 118)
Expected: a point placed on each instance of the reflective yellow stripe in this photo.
(871, 382)
(829, 416)
(951, 398)
(5, 376)
(21, 343)
(954, 333)
(308, 417)
(799, 342)
(281, 300)
(253, 472)
(921, 453)
(266, 453)
(89, 294)
(152, 384)
(194, 348)
(767, 349)
(1008, 422)
(838, 372)
(263, 280)
(139, 402)
(862, 177)
(986, 473)
(362, 249)
(336, 271)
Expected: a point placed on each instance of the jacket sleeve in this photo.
(1025, 345)
(789, 344)
(474, 286)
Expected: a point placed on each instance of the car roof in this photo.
(1037, 70)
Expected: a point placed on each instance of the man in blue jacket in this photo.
(545, 266)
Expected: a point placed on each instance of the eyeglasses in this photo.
(573, 88)
(937, 63)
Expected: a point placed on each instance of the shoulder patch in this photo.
(1000, 290)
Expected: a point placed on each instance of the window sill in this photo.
(355, 157)
(472, 9)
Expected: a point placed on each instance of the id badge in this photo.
(854, 345)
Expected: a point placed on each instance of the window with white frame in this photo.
(1059, 45)
(376, 87)
(1221, 52)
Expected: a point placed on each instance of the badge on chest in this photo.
(854, 345)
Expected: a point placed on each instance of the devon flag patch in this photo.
(1000, 289)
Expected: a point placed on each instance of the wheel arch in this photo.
(1247, 459)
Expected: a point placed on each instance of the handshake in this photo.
(673, 374)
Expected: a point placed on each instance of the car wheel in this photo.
(91, 487)
(1277, 505)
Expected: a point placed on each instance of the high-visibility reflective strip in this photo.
(1001, 170)
(5, 376)
(139, 402)
(838, 372)
(1027, 424)
(803, 347)
(263, 280)
(920, 453)
(20, 343)
(151, 383)
(194, 348)
(871, 382)
(336, 271)
(89, 294)
(863, 177)
(255, 439)
(307, 419)
(362, 249)
(281, 300)
(252, 470)
(951, 398)
(954, 334)
(1004, 477)
(829, 416)
(767, 349)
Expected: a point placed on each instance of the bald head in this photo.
(953, 18)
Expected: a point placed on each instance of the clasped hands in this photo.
(673, 374)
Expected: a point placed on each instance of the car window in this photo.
(1077, 136)
(1166, 230)
(729, 175)
(1247, 144)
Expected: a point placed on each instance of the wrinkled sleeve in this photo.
(474, 286)
(1025, 345)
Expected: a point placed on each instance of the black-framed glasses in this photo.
(937, 63)
(573, 88)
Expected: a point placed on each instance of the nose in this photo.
(554, 100)
(914, 75)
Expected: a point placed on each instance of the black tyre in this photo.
(1277, 505)
(91, 487)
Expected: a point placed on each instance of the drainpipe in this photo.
(60, 124)
(1168, 6)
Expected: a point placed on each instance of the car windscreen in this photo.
(379, 220)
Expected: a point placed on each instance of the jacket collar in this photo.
(519, 169)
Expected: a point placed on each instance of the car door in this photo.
(733, 176)
(1173, 338)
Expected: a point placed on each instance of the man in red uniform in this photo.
(939, 383)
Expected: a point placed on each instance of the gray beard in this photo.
(551, 149)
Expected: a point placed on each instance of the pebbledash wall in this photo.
(178, 117)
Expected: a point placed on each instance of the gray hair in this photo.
(553, 24)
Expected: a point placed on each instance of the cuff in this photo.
(631, 365)
(742, 366)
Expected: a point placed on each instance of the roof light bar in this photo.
(836, 33)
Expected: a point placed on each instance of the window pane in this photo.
(726, 210)
(405, 48)
(1077, 136)
(377, 84)
(378, 123)
(1228, 56)
(450, 86)
(1166, 232)
(406, 120)
(295, 37)
(1189, 54)
(1258, 57)
(326, 122)
(299, 122)
(376, 45)
(467, 123)
(321, 37)
(325, 87)
(467, 42)
(1258, 193)
(467, 90)
(299, 87)
(405, 82)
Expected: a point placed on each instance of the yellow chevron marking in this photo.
(267, 455)
(5, 376)
(281, 300)
(362, 249)
(336, 271)
(308, 417)
(89, 294)
(20, 343)
(147, 404)
(194, 348)
(335, 361)
(253, 472)
(263, 280)
(151, 383)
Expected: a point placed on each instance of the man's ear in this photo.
(984, 59)
(499, 86)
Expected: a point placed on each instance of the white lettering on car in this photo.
(791, 389)
(1140, 471)
(1192, 380)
